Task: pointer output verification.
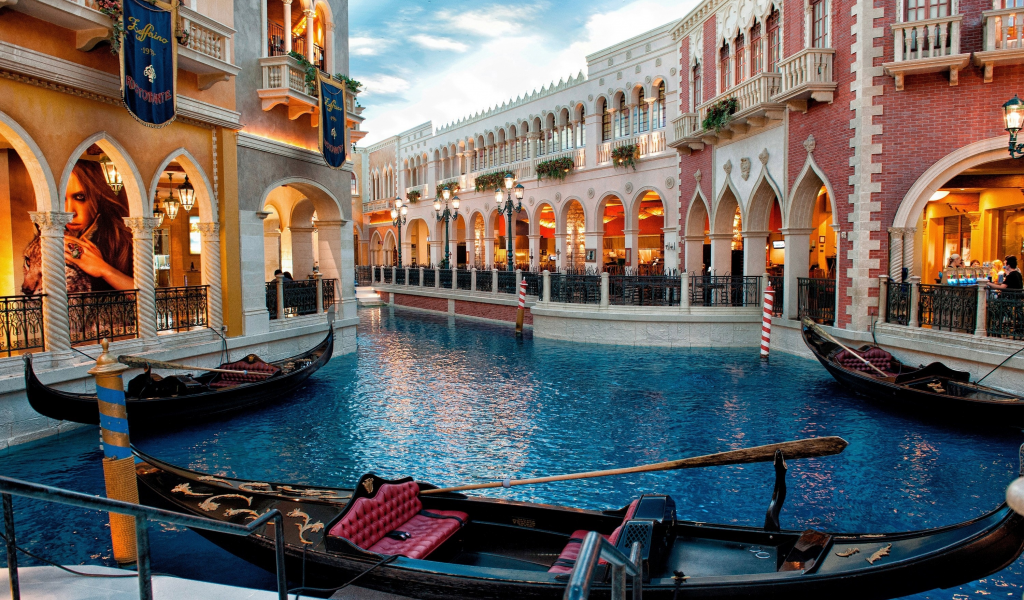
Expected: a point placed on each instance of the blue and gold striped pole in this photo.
(118, 462)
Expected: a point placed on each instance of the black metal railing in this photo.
(272, 299)
(400, 276)
(724, 290)
(142, 515)
(778, 283)
(816, 299)
(446, 278)
(93, 316)
(364, 275)
(429, 277)
(576, 289)
(378, 274)
(1006, 314)
(534, 282)
(464, 279)
(21, 323)
(330, 289)
(507, 282)
(897, 302)
(651, 290)
(182, 308)
(300, 297)
(414, 276)
(388, 274)
(484, 281)
(275, 39)
(948, 307)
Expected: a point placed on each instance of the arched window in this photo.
(723, 68)
(658, 108)
(819, 23)
(698, 92)
(642, 115)
(623, 118)
(606, 121)
(581, 129)
(774, 41)
(756, 53)
(739, 59)
(355, 185)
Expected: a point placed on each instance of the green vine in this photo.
(719, 114)
(453, 187)
(558, 168)
(352, 85)
(310, 69)
(490, 181)
(626, 156)
(413, 196)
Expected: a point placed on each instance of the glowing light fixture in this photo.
(171, 204)
(1013, 119)
(187, 195)
(939, 195)
(510, 180)
(111, 174)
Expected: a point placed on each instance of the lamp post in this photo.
(398, 218)
(447, 215)
(506, 207)
(1013, 118)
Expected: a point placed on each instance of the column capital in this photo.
(211, 230)
(288, 2)
(309, 13)
(751, 234)
(141, 226)
(896, 231)
(533, 135)
(51, 224)
(909, 231)
(302, 229)
(321, 224)
(797, 231)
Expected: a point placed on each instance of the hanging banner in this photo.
(149, 62)
(333, 134)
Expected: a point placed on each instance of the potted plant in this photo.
(720, 113)
(413, 196)
(626, 156)
(558, 168)
(490, 181)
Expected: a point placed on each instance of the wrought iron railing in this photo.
(330, 289)
(816, 299)
(635, 290)
(429, 277)
(446, 278)
(378, 273)
(388, 273)
(21, 323)
(300, 297)
(272, 299)
(364, 275)
(464, 279)
(897, 302)
(181, 308)
(533, 283)
(778, 283)
(400, 276)
(1006, 314)
(507, 282)
(484, 281)
(93, 316)
(576, 289)
(724, 290)
(414, 276)
(948, 307)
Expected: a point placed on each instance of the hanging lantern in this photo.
(171, 206)
(187, 195)
(158, 214)
(111, 174)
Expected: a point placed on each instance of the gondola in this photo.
(934, 390)
(454, 546)
(155, 401)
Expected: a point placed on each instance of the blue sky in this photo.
(443, 59)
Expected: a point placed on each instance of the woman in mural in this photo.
(97, 244)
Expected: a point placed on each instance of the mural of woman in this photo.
(97, 243)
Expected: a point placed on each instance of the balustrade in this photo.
(182, 308)
(446, 278)
(300, 297)
(284, 72)
(634, 290)
(724, 290)
(807, 74)
(533, 283)
(646, 144)
(897, 302)
(329, 292)
(93, 316)
(1005, 314)
(429, 277)
(507, 282)
(21, 324)
(414, 276)
(364, 275)
(750, 95)
(484, 280)
(683, 127)
(204, 35)
(948, 307)
(816, 299)
(927, 38)
(778, 284)
(464, 279)
(400, 276)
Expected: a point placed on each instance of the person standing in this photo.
(1013, 279)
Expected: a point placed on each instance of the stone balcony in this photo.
(807, 75)
(421, 189)
(207, 49)
(757, 107)
(284, 82)
(927, 46)
(650, 143)
(376, 206)
(1001, 39)
(683, 129)
(81, 16)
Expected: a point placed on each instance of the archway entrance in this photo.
(545, 254)
(615, 257)
(419, 243)
(390, 254)
(650, 235)
(811, 250)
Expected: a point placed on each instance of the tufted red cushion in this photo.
(427, 534)
(396, 507)
(567, 559)
(876, 356)
(223, 380)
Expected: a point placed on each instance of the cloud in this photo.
(438, 43)
(494, 20)
(376, 85)
(367, 46)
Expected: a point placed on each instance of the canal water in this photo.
(454, 401)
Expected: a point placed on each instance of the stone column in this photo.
(895, 253)
(436, 252)
(55, 286)
(472, 279)
(632, 241)
(798, 244)
(287, 25)
(915, 300)
(453, 246)
(981, 321)
(310, 15)
(671, 255)
(694, 253)
(594, 240)
(494, 282)
(302, 251)
(534, 252)
(145, 280)
(489, 251)
(684, 300)
(883, 296)
(470, 248)
(592, 125)
(533, 136)
(908, 250)
(605, 292)
(421, 276)
(546, 287)
(721, 253)
(755, 252)
(406, 253)
(560, 256)
(211, 275)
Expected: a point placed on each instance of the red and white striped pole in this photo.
(522, 306)
(766, 320)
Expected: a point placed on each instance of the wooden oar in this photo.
(144, 363)
(807, 448)
(817, 329)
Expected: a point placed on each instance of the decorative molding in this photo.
(727, 167)
(558, 196)
(629, 187)
(763, 156)
(590, 193)
(51, 224)
(697, 175)
(745, 168)
(809, 144)
(262, 144)
(669, 182)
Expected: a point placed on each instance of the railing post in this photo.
(406, 275)
(684, 289)
(319, 293)
(915, 300)
(12, 547)
(421, 276)
(883, 296)
(546, 286)
(472, 279)
(494, 281)
(618, 582)
(280, 296)
(394, 275)
(519, 277)
(980, 323)
(142, 563)
(437, 278)
(604, 290)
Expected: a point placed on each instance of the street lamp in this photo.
(1013, 118)
(447, 215)
(398, 218)
(506, 207)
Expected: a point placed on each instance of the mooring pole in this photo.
(766, 320)
(118, 462)
(522, 306)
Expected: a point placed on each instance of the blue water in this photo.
(452, 401)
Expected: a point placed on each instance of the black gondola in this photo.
(452, 546)
(155, 401)
(934, 390)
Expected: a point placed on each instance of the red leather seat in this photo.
(397, 507)
(253, 367)
(567, 559)
(876, 356)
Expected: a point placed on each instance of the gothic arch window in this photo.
(642, 115)
(820, 23)
(658, 112)
(739, 59)
(756, 50)
(698, 92)
(774, 40)
(723, 68)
